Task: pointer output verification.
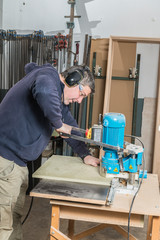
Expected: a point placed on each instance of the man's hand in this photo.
(89, 160)
(64, 129)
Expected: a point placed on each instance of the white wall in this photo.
(125, 17)
(148, 70)
(99, 18)
(46, 15)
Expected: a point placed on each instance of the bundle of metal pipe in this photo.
(16, 50)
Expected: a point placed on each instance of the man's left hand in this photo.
(89, 160)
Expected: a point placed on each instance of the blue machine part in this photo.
(113, 134)
(113, 129)
(141, 174)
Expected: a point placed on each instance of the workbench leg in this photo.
(55, 219)
(149, 228)
(153, 228)
(71, 228)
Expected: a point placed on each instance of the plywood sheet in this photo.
(121, 100)
(92, 215)
(100, 46)
(76, 192)
(122, 91)
(70, 169)
(124, 58)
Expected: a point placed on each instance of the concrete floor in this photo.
(37, 225)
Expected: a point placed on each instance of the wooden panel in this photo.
(123, 59)
(100, 46)
(122, 92)
(100, 216)
(108, 76)
(71, 169)
(121, 100)
(156, 153)
(136, 39)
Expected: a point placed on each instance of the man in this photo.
(29, 113)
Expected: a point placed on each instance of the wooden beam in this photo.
(71, 228)
(55, 234)
(135, 39)
(89, 231)
(108, 77)
(149, 228)
(156, 152)
(155, 228)
(55, 216)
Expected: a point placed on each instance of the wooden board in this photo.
(124, 58)
(121, 100)
(100, 46)
(93, 215)
(71, 169)
(77, 192)
(122, 91)
(147, 202)
(156, 152)
(135, 39)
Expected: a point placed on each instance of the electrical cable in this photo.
(28, 211)
(139, 183)
(30, 207)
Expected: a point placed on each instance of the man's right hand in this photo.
(64, 129)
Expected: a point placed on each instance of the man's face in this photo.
(75, 94)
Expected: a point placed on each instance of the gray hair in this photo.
(88, 79)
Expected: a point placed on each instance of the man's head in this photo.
(79, 83)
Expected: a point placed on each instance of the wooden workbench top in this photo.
(71, 169)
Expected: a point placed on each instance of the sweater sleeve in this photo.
(78, 147)
(44, 91)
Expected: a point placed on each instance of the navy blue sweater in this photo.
(30, 111)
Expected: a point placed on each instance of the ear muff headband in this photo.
(74, 78)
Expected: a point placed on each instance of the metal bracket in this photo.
(70, 25)
(71, 2)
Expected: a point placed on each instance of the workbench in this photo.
(83, 205)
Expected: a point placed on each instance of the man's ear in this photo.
(62, 78)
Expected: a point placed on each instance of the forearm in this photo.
(78, 147)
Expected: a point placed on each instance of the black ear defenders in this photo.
(74, 78)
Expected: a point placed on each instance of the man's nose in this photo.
(79, 100)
